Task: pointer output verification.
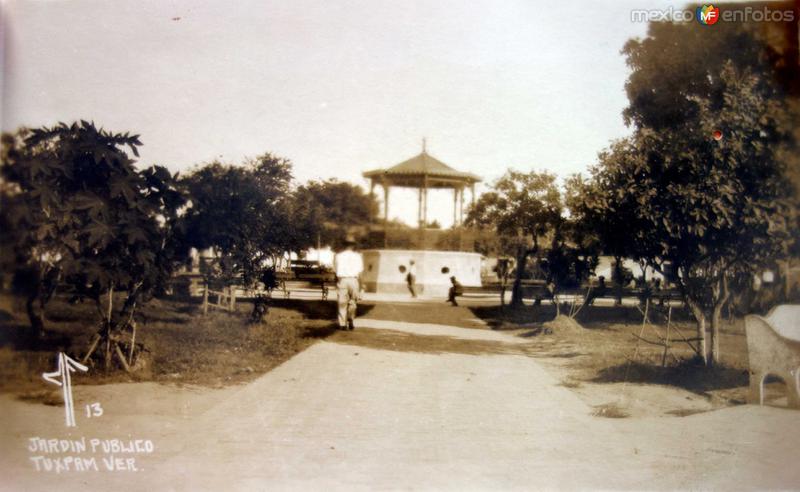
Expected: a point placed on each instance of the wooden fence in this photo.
(225, 299)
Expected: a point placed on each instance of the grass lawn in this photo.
(184, 346)
(598, 357)
(602, 349)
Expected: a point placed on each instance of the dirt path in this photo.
(341, 416)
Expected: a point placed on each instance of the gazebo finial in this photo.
(424, 146)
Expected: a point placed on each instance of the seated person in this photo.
(597, 291)
(456, 290)
(270, 280)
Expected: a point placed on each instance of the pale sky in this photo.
(338, 87)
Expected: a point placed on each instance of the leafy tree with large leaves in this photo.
(243, 213)
(81, 214)
(712, 208)
(524, 206)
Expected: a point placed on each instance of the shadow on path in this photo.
(317, 309)
(591, 317)
(438, 313)
(398, 341)
(688, 375)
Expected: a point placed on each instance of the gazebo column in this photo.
(385, 203)
(372, 194)
(385, 186)
(455, 206)
(425, 204)
(419, 209)
(461, 206)
(472, 194)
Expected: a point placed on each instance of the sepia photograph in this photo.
(380, 245)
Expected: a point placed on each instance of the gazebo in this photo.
(424, 172)
(385, 269)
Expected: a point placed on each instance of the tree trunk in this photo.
(722, 295)
(131, 300)
(618, 280)
(716, 319)
(39, 296)
(700, 316)
(107, 361)
(786, 280)
(107, 350)
(36, 317)
(516, 290)
(645, 292)
(701, 334)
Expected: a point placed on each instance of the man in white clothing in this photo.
(348, 265)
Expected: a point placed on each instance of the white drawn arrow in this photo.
(66, 365)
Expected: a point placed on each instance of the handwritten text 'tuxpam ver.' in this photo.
(81, 455)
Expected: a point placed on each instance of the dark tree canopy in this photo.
(242, 212)
(80, 212)
(677, 61)
(325, 211)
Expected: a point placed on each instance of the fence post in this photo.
(232, 298)
(205, 298)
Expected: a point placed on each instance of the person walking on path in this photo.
(411, 278)
(348, 266)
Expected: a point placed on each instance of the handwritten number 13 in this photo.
(94, 410)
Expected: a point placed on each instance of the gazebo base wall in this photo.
(385, 270)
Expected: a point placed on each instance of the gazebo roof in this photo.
(423, 170)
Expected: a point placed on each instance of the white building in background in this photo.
(385, 270)
(322, 255)
(605, 268)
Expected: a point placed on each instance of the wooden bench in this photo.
(324, 286)
(537, 289)
(773, 346)
(529, 289)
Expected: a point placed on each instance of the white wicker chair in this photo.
(773, 345)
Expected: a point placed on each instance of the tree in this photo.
(608, 212)
(84, 216)
(710, 208)
(324, 211)
(570, 256)
(677, 62)
(243, 213)
(525, 206)
(573, 254)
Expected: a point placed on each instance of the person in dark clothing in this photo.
(456, 290)
(411, 278)
(598, 291)
(270, 280)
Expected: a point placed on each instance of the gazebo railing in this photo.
(459, 239)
